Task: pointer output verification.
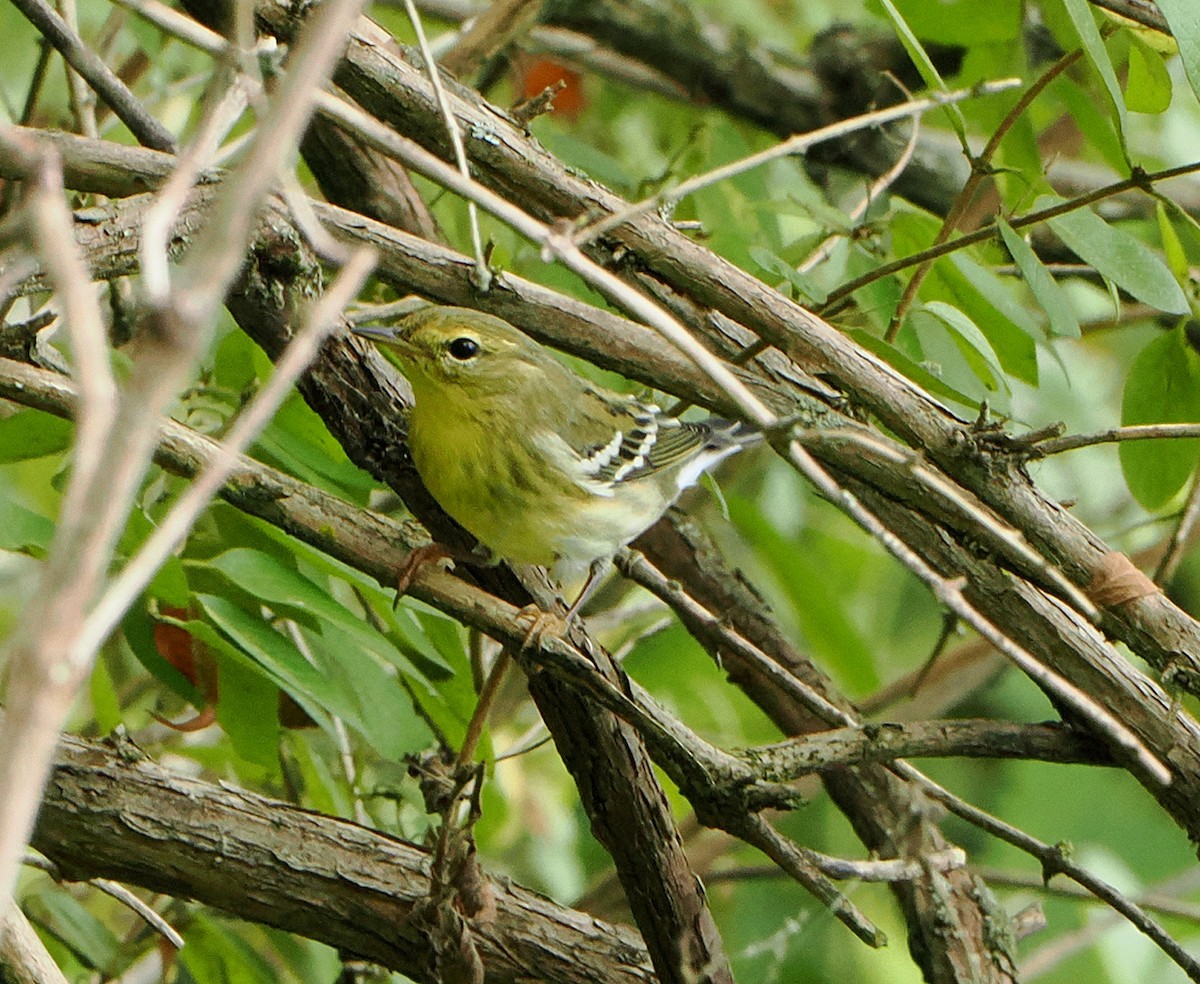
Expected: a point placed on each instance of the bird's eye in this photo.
(464, 348)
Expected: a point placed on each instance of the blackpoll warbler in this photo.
(539, 464)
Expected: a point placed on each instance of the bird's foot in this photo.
(430, 553)
(541, 624)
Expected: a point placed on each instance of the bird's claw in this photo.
(541, 624)
(429, 553)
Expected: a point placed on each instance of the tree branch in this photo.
(112, 813)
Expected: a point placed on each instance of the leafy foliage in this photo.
(1082, 317)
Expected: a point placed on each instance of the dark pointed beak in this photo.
(377, 333)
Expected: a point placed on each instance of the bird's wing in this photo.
(646, 442)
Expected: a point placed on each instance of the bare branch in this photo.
(351, 887)
(23, 957)
(482, 272)
(496, 26)
(1137, 432)
(148, 131)
(796, 145)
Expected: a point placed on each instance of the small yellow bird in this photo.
(539, 464)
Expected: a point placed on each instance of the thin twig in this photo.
(1134, 432)
(1156, 901)
(1180, 538)
(148, 131)
(1008, 538)
(82, 99)
(482, 273)
(131, 901)
(796, 145)
(980, 168)
(487, 695)
(42, 681)
(224, 104)
(322, 320)
(36, 81)
(1054, 861)
(118, 892)
(493, 28)
(805, 866)
(178, 25)
(715, 633)
(873, 193)
(51, 225)
(1139, 180)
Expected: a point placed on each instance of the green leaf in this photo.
(1183, 17)
(248, 711)
(927, 380)
(929, 73)
(65, 918)
(1119, 257)
(972, 343)
(323, 788)
(288, 592)
(340, 679)
(958, 22)
(1172, 245)
(33, 434)
(989, 302)
(232, 632)
(1163, 387)
(1148, 87)
(1042, 285)
(297, 442)
(106, 704)
(170, 584)
(22, 530)
(1080, 12)
(804, 285)
(216, 952)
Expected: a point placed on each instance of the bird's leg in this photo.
(596, 570)
(544, 622)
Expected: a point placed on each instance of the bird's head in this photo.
(446, 349)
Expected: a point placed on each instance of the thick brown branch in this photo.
(112, 813)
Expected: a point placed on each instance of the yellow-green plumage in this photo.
(536, 462)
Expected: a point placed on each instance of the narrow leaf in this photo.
(972, 343)
(1163, 386)
(1080, 12)
(1042, 284)
(1172, 246)
(927, 380)
(288, 591)
(929, 73)
(992, 305)
(1148, 87)
(1183, 17)
(1120, 258)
